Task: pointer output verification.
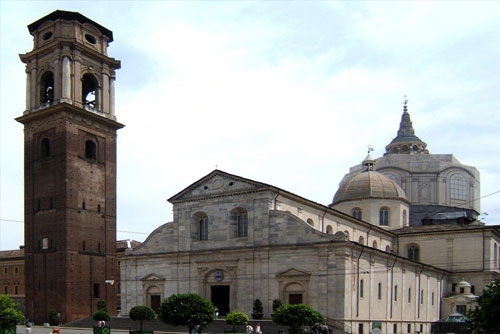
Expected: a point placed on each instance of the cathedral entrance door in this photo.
(220, 298)
(155, 302)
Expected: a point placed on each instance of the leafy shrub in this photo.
(141, 313)
(101, 305)
(186, 309)
(257, 306)
(484, 319)
(296, 316)
(53, 318)
(9, 315)
(236, 318)
(101, 315)
(276, 303)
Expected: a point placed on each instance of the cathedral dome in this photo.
(368, 184)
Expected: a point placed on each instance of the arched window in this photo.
(361, 240)
(203, 228)
(45, 148)
(458, 187)
(384, 216)
(356, 213)
(413, 253)
(90, 150)
(310, 222)
(89, 91)
(405, 218)
(329, 229)
(242, 223)
(47, 88)
(387, 249)
(346, 232)
(374, 244)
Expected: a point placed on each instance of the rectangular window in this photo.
(96, 290)
(242, 225)
(360, 328)
(5, 270)
(6, 290)
(119, 288)
(45, 243)
(395, 293)
(379, 291)
(409, 295)
(421, 296)
(16, 270)
(361, 289)
(16, 290)
(409, 328)
(395, 328)
(462, 309)
(203, 228)
(421, 328)
(432, 296)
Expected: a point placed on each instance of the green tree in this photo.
(186, 309)
(484, 319)
(9, 315)
(236, 318)
(141, 313)
(101, 315)
(101, 305)
(257, 306)
(296, 316)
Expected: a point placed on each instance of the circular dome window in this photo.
(91, 39)
(47, 35)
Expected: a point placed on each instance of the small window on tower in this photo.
(90, 150)
(96, 290)
(45, 243)
(45, 148)
(89, 89)
(47, 88)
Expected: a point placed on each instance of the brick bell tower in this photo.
(69, 168)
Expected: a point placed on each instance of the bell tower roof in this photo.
(406, 142)
(69, 16)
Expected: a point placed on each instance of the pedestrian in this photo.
(216, 313)
(249, 329)
(258, 330)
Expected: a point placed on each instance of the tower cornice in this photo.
(66, 107)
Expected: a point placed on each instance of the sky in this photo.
(288, 93)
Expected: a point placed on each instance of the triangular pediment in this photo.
(152, 277)
(293, 273)
(217, 183)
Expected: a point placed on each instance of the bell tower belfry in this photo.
(69, 168)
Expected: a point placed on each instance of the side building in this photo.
(12, 272)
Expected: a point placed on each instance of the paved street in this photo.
(70, 330)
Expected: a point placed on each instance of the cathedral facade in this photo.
(360, 261)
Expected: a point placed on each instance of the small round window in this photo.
(91, 39)
(47, 35)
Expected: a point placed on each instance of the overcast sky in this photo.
(286, 93)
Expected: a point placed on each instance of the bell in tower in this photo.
(69, 168)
